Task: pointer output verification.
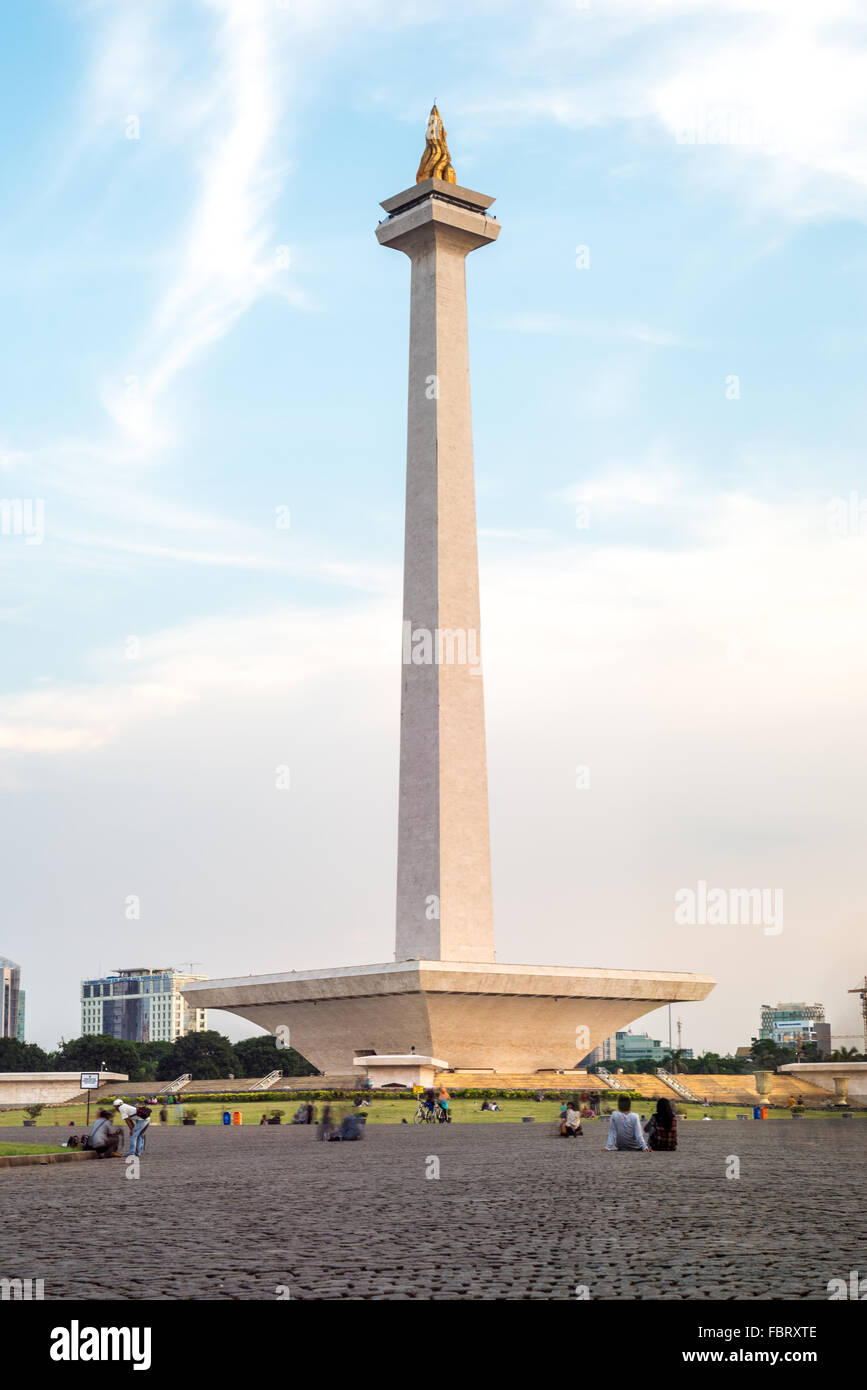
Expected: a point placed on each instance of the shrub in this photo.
(34, 1111)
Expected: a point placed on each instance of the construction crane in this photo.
(862, 990)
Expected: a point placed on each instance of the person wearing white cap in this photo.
(127, 1114)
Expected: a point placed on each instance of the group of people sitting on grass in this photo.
(625, 1129)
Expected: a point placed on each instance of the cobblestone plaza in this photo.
(516, 1213)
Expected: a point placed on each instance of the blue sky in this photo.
(200, 328)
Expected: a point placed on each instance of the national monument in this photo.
(444, 1002)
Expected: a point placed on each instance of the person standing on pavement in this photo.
(127, 1114)
(142, 1120)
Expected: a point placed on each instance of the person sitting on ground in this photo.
(351, 1127)
(661, 1128)
(624, 1131)
(300, 1116)
(571, 1121)
(264, 1119)
(103, 1136)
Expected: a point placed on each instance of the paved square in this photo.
(235, 1213)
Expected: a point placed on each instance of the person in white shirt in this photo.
(135, 1123)
(126, 1114)
(571, 1120)
(624, 1131)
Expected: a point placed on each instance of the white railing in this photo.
(267, 1081)
(676, 1085)
(177, 1084)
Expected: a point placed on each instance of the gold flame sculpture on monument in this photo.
(444, 1002)
(436, 160)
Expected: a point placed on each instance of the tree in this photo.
(768, 1055)
(205, 1056)
(19, 1056)
(150, 1055)
(89, 1053)
(260, 1055)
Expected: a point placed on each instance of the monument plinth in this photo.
(444, 997)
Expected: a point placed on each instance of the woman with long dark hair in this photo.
(661, 1128)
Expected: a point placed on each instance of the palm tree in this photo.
(674, 1061)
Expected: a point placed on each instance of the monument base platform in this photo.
(843, 1079)
(511, 1018)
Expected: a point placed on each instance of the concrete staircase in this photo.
(267, 1081)
(173, 1086)
(677, 1086)
(613, 1083)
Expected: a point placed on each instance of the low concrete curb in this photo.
(24, 1160)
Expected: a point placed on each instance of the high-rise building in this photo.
(11, 1000)
(790, 1024)
(605, 1052)
(143, 1004)
(823, 1039)
(632, 1046)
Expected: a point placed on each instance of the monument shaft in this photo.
(443, 1003)
(444, 904)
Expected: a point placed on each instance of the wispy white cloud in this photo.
(766, 99)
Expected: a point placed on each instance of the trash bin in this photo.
(757, 1112)
(237, 1118)
(227, 1118)
(764, 1112)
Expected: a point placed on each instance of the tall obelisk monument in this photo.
(444, 906)
(444, 1002)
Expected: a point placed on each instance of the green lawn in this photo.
(392, 1111)
(7, 1150)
